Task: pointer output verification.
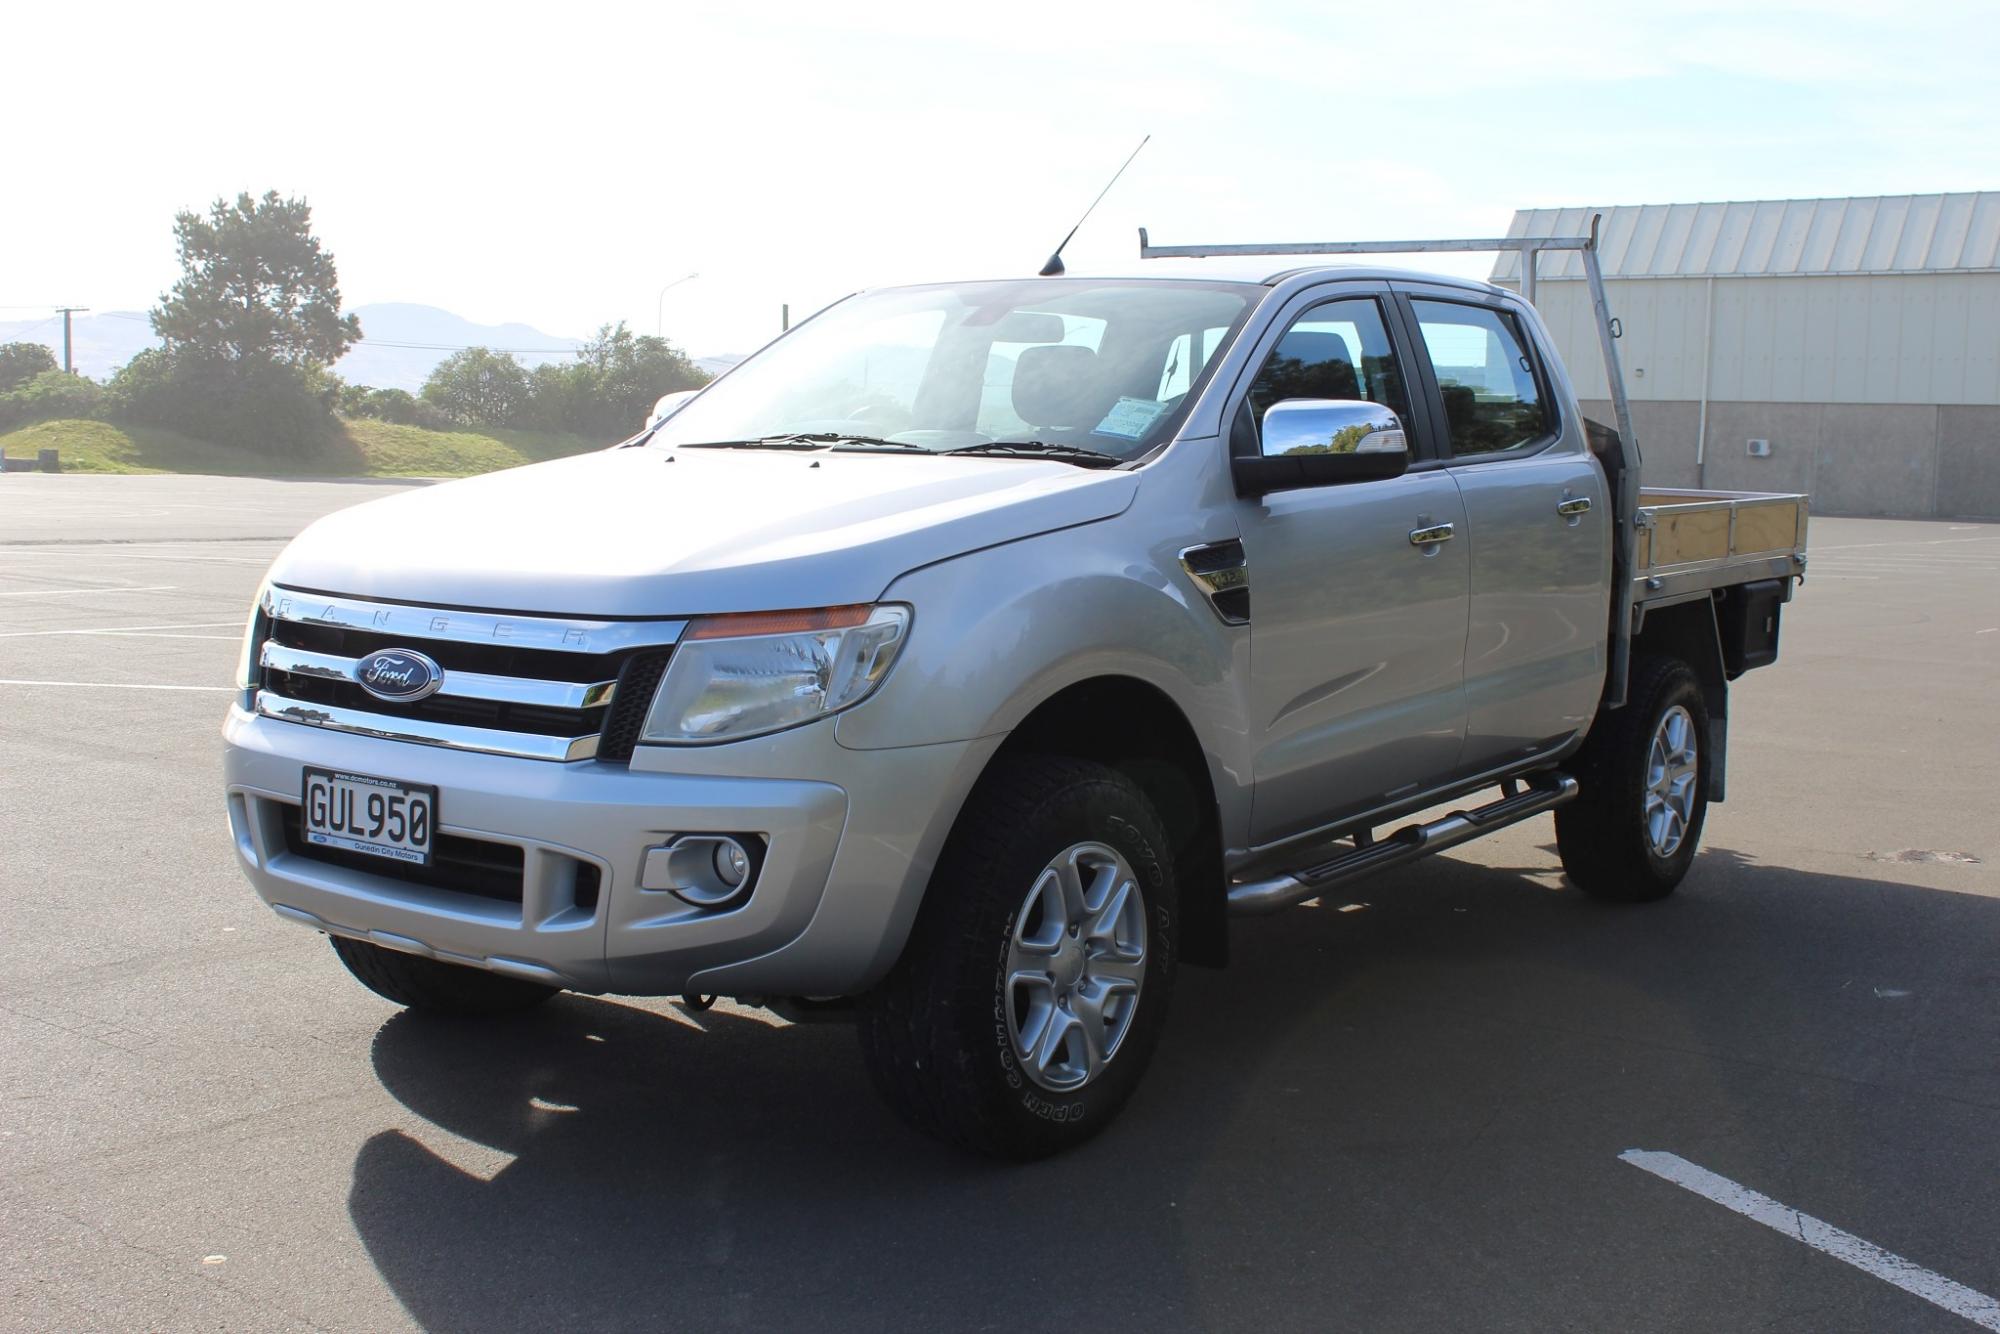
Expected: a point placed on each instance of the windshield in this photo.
(1107, 367)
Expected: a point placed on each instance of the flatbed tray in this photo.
(1691, 542)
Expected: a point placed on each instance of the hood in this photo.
(656, 532)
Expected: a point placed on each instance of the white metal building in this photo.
(1855, 340)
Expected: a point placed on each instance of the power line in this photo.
(456, 347)
(411, 347)
(24, 332)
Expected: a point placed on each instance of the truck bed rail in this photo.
(1693, 542)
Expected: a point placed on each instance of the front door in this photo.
(1357, 633)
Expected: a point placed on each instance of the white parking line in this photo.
(119, 629)
(1866, 1256)
(109, 685)
(86, 592)
(1933, 542)
(93, 553)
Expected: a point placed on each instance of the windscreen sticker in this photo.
(1131, 418)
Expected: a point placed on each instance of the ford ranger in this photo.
(962, 661)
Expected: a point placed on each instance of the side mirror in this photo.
(1323, 442)
(667, 406)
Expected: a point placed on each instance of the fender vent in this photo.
(1222, 572)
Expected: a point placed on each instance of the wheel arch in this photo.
(1690, 632)
(1134, 727)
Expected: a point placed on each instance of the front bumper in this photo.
(850, 838)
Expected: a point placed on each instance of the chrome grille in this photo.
(533, 686)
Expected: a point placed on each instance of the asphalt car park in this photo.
(1467, 1098)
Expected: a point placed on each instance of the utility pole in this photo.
(66, 312)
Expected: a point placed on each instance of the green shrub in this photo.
(49, 396)
(608, 390)
(22, 362)
(430, 416)
(255, 405)
(478, 387)
(396, 406)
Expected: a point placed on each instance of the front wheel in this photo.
(1033, 988)
(1631, 835)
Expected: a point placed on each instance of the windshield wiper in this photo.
(1041, 449)
(812, 440)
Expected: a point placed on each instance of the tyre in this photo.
(1632, 832)
(1032, 991)
(442, 988)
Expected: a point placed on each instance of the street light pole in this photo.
(660, 306)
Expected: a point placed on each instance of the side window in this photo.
(1491, 400)
(1339, 349)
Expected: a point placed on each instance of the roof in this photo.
(1882, 234)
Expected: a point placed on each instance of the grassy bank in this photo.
(361, 448)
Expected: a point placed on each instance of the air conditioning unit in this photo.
(1760, 449)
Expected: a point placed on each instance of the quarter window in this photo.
(1491, 399)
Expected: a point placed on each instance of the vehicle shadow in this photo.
(1385, 1115)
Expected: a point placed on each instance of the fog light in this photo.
(713, 871)
(732, 863)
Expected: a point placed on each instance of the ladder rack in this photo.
(1625, 483)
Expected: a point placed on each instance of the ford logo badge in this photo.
(398, 674)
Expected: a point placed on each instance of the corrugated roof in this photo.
(1956, 233)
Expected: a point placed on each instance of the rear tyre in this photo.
(1632, 832)
(440, 988)
(1032, 991)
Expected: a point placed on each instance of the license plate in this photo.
(376, 816)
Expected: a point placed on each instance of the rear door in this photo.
(1357, 634)
(1538, 525)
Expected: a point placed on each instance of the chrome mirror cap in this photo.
(1310, 442)
(1307, 426)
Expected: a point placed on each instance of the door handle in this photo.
(1574, 506)
(1437, 532)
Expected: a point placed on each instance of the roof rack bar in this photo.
(1147, 250)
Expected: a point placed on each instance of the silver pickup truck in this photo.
(962, 661)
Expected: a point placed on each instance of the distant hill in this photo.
(400, 343)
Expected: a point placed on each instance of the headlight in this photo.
(248, 673)
(738, 676)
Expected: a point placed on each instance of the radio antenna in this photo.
(1054, 267)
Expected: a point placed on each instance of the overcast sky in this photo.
(556, 164)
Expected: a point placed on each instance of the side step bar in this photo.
(1257, 897)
